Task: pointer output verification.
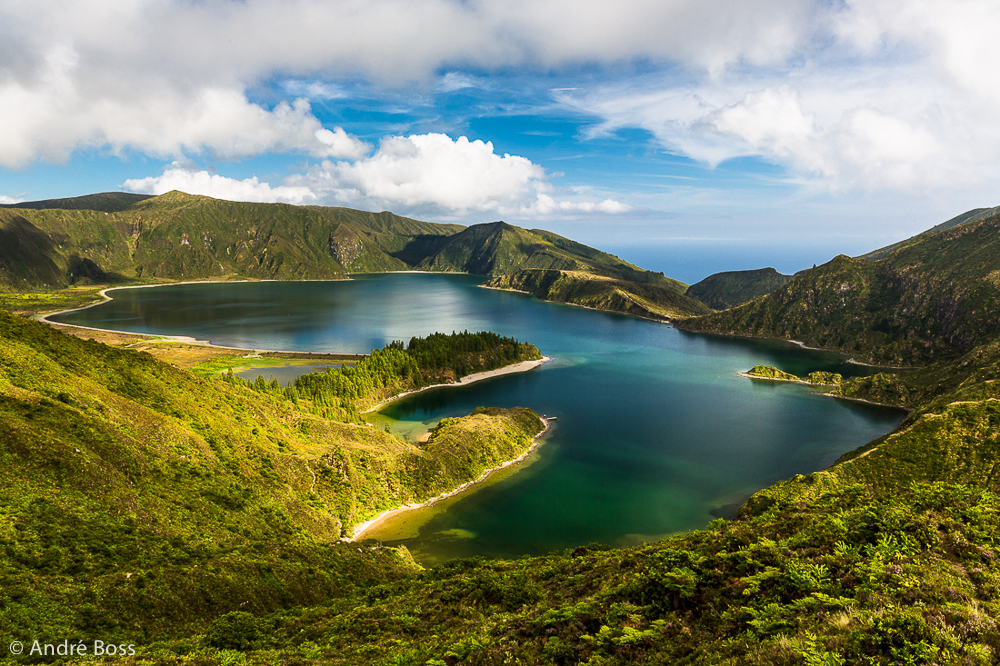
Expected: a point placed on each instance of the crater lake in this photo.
(655, 433)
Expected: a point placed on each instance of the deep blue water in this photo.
(654, 431)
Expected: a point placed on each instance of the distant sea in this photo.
(691, 261)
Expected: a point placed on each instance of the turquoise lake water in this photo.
(654, 433)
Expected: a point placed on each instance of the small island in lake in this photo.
(769, 372)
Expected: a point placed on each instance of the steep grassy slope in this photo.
(409, 241)
(557, 269)
(199, 237)
(182, 236)
(54, 247)
(498, 249)
(602, 293)
(729, 289)
(969, 216)
(141, 501)
(26, 254)
(495, 249)
(936, 298)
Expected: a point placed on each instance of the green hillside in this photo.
(653, 301)
(410, 241)
(729, 289)
(498, 248)
(140, 501)
(180, 236)
(936, 298)
(495, 249)
(969, 216)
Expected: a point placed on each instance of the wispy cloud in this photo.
(320, 90)
(453, 81)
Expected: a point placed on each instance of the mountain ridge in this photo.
(934, 298)
(727, 289)
(178, 236)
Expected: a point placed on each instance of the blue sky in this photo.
(685, 135)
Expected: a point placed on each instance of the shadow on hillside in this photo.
(81, 270)
(419, 248)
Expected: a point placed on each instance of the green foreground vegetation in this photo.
(344, 393)
(139, 502)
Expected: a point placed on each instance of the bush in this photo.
(237, 630)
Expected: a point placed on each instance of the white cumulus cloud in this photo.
(170, 77)
(418, 175)
(185, 179)
(871, 94)
(432, 173)
(60, 110)
(884, 95)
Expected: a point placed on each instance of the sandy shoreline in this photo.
(850, 360)
(183, 339)
(360, 529)
(680, 326)
(523, 366)
(867, 402)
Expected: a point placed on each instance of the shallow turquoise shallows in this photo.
(655, 432)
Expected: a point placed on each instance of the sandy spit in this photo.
(360, 529)
(183, 339)
(523, 366)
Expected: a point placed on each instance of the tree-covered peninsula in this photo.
(343, 393)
